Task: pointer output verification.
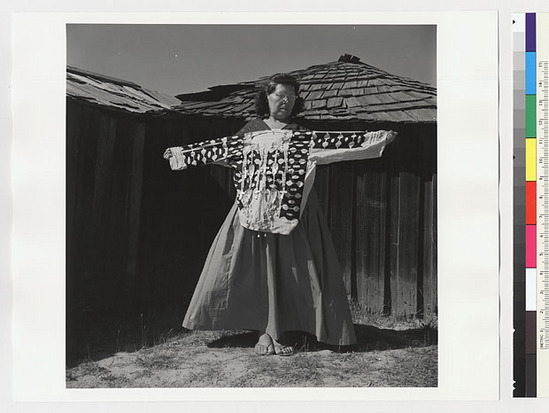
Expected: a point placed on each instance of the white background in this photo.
(467, 202)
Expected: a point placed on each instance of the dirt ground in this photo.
(382, 358)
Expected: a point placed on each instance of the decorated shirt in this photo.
(274, 169)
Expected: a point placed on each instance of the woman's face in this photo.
(281, 102)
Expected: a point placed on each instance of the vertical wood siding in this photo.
(382, 213)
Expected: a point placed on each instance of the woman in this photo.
(272, 266)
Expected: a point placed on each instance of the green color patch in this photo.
(530, 116)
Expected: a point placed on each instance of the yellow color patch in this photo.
(531, 159)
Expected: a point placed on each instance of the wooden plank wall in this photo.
(137, 232)
(382, 214)
(104, 178)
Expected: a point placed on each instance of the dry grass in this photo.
(363, 315)
(391, 352)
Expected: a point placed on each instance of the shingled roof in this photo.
(347, 89)
(115, 93)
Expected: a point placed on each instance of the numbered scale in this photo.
(542, 135)
(542, 204)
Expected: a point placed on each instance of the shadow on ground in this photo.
(369, 338)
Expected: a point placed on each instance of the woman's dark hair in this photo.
(261, 102)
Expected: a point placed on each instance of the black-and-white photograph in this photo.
(251, 206)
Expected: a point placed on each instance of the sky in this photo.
(188, 58)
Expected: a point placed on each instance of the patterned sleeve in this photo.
(220, 150)
(328, 147)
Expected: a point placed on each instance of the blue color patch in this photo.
(530, 73)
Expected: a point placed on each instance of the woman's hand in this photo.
(167, 154)
(391, 136)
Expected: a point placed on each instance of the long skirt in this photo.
(274, 283)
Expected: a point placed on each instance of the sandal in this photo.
(264, 348)
(282, 350)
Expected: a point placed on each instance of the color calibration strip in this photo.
(531, 189)
(531, 197)
(520, 217)
(526, 203)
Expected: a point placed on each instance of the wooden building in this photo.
(138, 233)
